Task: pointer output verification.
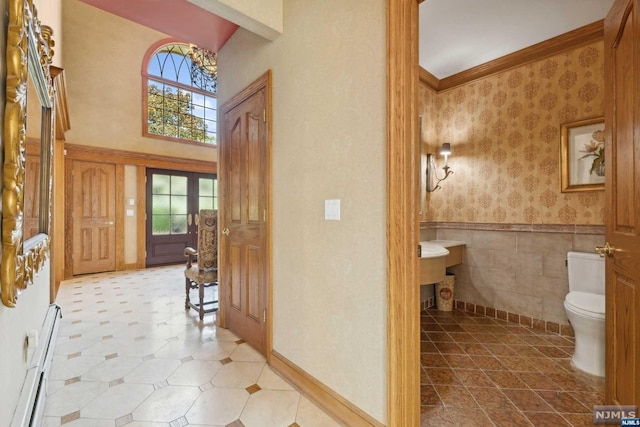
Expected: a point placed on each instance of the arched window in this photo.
(180, 83)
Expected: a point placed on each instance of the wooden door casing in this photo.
(94, 215)
(244, 179)
(622, 187)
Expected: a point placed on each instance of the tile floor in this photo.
(128, 354)
(479, 371)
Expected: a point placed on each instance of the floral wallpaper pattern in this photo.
(504, 132)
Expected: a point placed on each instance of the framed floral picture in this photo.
(582, 155)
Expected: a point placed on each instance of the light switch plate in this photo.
(130, 212)
(332, 210)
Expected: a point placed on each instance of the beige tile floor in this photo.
(128, 354)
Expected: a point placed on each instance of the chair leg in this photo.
(187, 301)
(201, 296)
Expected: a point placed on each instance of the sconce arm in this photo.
(433, 186)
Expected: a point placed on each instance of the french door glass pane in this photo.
(179, 205)
(160, 224)
(169, 204)
(179, 185)
(178, 224)
(206, 203)
(161, 204)
(205, 186)
(207, 191)
(161, 184)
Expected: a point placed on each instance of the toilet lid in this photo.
(589, 303)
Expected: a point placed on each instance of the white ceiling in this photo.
(456, 35)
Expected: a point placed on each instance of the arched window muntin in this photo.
(176, 103)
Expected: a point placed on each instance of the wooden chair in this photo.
(203, 273)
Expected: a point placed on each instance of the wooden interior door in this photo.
(32, 191)
(244, 180)
(94, 216)
(622, 186)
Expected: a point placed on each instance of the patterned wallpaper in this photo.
(504, 132)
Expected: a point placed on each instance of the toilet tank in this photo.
(586, 272)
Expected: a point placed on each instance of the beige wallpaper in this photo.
(33, 302)
(103, 65)
(505, 136)
(262, 17)
(50, 13)
(329, 104)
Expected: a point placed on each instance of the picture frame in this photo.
(582, 161)
(29, 56)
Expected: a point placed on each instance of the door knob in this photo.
(607, 250)
(225, 231)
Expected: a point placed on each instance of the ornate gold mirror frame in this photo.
(29, 53)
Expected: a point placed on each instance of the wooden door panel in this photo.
(235, 278)
(254, 283)
(254, 168)
(235, 174)
(243, 169)
(625, 355)
(93, 217)
(86, 244)
(622, 187)
(104, 243)
(624, 131)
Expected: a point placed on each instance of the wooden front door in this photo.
(174, 199)
(94, 216)
(622, 125)
(244, 180)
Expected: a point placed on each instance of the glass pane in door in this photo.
(169, 207)
(208, 193)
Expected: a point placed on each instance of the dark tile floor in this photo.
(479, 371)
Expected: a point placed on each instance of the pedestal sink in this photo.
(432, 262)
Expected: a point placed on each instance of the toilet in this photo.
(584, 305)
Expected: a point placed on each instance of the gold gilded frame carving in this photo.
(29, 52)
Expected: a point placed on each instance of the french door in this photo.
(174, 199)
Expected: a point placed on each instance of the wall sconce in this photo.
(433, 182)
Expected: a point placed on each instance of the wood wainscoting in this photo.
(120, 159)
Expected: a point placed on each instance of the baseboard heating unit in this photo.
(30, 409)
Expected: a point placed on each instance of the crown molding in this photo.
(428, 79)
(573, 39)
